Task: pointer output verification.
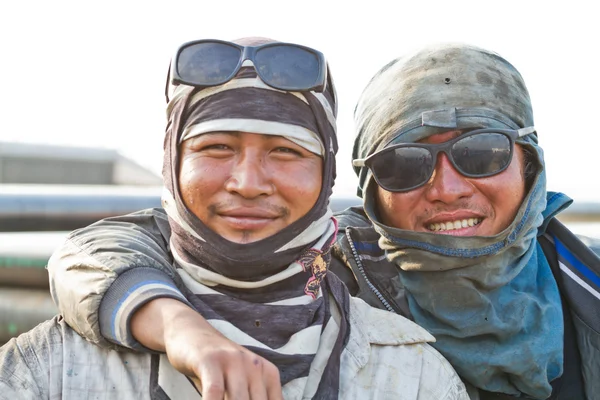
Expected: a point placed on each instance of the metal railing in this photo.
(24, 297)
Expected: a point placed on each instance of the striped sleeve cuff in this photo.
(130, 291)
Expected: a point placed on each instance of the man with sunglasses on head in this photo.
(457, 233)
(249, 166)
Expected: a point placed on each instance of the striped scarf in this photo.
(257, 316)
(273, 296)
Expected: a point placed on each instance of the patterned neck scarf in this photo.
(273, 296)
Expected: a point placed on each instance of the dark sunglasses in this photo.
(283, 66)
(476, 154)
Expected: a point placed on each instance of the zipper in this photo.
(361, 269)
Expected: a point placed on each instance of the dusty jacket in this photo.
(574, 262)
(387, 357)
(140, 240)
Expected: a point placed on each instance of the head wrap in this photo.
(273, 278)
(485, 299)
(439, 88)
(247, 104)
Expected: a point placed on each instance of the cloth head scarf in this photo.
(232, 284)
(491, 302)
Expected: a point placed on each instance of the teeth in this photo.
(451, 225)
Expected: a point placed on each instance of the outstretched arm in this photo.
(114, 283)
(219, 368)
(103, 273)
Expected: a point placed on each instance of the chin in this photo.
(244, 237)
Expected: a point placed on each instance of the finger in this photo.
(210, 382)
(272, 381)
(257, 382)
(236, 380)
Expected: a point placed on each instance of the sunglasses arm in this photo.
(359, 162)
(525, 131)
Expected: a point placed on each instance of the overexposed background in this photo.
(92, 73)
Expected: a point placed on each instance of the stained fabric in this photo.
(491, 302)
(257, 314)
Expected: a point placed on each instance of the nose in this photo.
(249, 177)
(447, 184)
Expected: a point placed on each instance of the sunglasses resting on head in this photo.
(476, 154)
(283, 66)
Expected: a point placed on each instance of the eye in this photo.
(219, 146)
(214, 150)
(287, 151)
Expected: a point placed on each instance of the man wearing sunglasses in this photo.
(249, 166)
(455, 199)
(457, 232)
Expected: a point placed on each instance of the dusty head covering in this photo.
(442, 87)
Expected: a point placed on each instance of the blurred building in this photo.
(48, 164)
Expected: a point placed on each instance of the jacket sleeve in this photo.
(103, 273)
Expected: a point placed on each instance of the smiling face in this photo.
(452, 204)
(245, 186)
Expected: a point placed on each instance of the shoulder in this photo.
(575, 252)
(38, 362)
(353, 217)
(25, 360)
(393, 355)
(154, 220)
(592, 243)
(385, 328)
(45, 337)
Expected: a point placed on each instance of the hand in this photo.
(220, 368)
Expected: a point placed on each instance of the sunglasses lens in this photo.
(207, 63)
(402, 168)
(482, 154)
(287, 67)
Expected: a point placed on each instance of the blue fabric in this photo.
(491, 302)
(129, 292)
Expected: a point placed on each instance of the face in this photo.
(245, 186)
(452, 204)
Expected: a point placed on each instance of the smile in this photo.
(452, 225)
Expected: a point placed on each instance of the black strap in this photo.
(570, 384)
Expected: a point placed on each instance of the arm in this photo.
(115, 280)
(103, 273)
(223, 369)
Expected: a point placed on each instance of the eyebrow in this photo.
(231, 133)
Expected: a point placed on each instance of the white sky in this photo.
(92, 74)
